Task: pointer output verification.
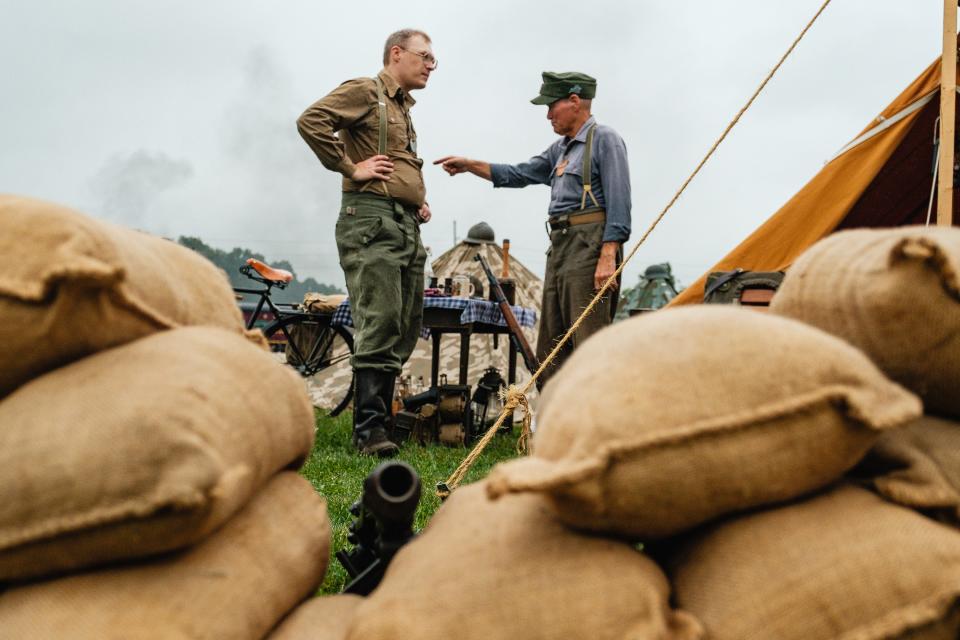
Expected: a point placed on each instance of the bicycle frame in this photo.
(284, 318)
(264, 295)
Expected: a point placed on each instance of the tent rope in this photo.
(514, 395)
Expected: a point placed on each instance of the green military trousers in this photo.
(378, 240)
(568, 289)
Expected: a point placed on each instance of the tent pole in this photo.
(948, 102)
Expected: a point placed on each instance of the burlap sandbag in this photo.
(142, 448)
(895, 294)
(844, 565)
(326, 618)
(508, 569)
(661, 422)
(918, 467)
(236, 584)
(72, 285)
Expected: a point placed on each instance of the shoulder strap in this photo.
(587, 171)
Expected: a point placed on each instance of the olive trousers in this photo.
(567, 290)
(382, 257)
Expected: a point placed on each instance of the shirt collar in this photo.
(391, 87)
(582, 133)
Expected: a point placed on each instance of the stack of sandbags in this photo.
(653, 427)
(720, 438)
(895, 294)
(147, 483)
(509, 569)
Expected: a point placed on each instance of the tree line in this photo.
(230, 262)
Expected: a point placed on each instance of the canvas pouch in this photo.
(72, 285)
(661, 422)
(304, 336)
(142, 448)
(324, 618)
(322, 303)
(895, 294)
(844, 565)
(509, 569)
(238, 583)
(918, 467)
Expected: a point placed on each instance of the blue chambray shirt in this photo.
(609, 177)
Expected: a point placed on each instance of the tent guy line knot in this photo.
(512, 398)
(444, 489)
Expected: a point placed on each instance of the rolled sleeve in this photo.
(536, 170)
(615, 181)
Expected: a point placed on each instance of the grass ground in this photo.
(337, 473)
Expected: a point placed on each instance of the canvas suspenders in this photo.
(382, 134)
(382, 111)
(587, 171)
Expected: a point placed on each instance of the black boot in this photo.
(371, 412)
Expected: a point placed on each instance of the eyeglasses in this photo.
(427, 58)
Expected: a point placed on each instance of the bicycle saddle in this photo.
(268, 272)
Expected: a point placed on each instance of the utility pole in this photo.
(948, 108)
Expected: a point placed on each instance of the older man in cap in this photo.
(589, 212)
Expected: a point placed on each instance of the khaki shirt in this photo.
(351, 111)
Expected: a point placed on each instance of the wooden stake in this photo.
(948, 108)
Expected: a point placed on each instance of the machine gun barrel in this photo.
(384, 523)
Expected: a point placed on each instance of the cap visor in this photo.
(544, 100)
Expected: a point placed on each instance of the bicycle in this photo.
(311, 344)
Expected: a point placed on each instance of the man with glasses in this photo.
(589, 212)
(362, 129)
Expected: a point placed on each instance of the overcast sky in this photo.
(178, 117)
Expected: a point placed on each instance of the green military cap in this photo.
(557, 86)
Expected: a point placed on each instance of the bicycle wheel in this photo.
(320, 352)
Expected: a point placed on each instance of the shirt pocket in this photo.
(572, 170)
(398, 138)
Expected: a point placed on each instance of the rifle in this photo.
(516, 335)
(384, 523)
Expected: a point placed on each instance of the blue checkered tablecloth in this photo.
(472, 310)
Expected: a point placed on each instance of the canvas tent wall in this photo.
(459, 260)
(882, 178)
